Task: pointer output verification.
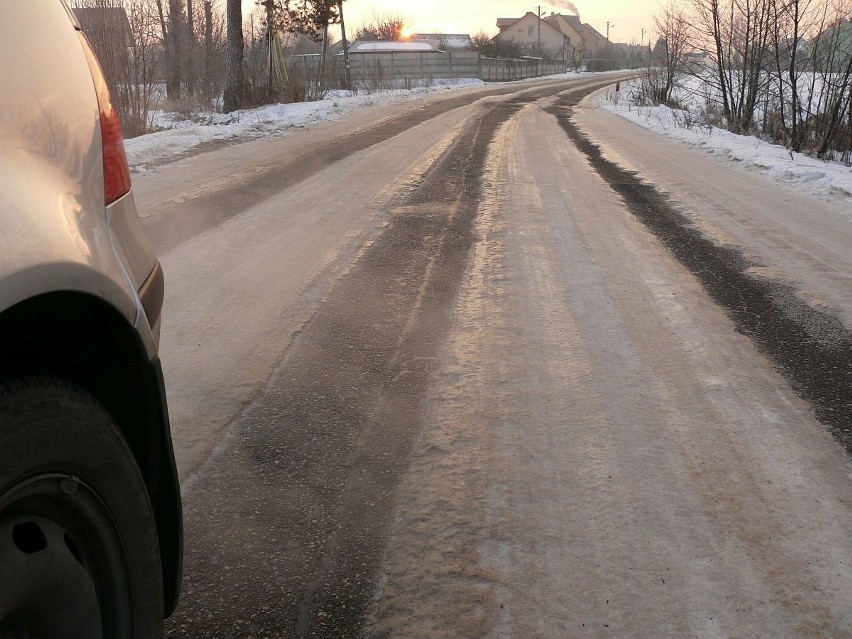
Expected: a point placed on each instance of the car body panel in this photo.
(59, 242)
(51, 175)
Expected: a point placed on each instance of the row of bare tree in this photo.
(144, 45)
(189, 52)
(779, 68)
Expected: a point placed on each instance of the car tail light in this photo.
(116, 171)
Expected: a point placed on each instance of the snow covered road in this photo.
(483, 393)
(604, 456)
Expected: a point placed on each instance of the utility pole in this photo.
(323, 61)
(270, 34)
(190, 48)
(347, 71)
(609, 25)
(233, 96)
(539, 30)
(208, 48)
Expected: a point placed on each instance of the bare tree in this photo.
(736, 36)
(189, 49)
(126, 37)
(674, 29)
(386, 27)
(173, 50)
(781, 69)
(233, 98)
(833, 64)
(494, 48)
(811, 44)
(312, 18)
(209, 48)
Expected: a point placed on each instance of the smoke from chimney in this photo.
(566, 4)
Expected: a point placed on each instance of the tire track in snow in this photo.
(812, 349)
(285, 529)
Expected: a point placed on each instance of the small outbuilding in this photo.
(392, 47)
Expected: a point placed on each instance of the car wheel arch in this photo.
(84, 340)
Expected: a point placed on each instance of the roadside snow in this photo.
(800, 171)
(181, 135)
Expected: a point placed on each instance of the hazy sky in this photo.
(473, 16)
(627, 17)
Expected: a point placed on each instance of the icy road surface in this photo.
(446, 370)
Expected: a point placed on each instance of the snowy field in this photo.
(800, 171)
(180, 136)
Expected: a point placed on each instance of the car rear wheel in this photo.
(78, 544)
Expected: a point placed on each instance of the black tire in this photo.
(78, 544)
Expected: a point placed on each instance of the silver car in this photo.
(90, 515)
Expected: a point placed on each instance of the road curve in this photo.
(446, 375)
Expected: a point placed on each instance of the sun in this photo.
(405, 33)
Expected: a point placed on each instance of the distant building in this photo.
(697, 60)
(392, 47)
(569, 25)
(337, 47)
(563, 35)
(595, 41)
(533, 35)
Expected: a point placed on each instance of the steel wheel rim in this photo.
(61, 562)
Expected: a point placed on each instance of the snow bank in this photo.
(180, 135)
(805, 173)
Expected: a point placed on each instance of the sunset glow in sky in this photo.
(627, 17)
(473, 16)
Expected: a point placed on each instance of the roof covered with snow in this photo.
(381, 47)
(506, 22)
(449, 40)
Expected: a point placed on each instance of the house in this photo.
(533, 35)
(573, 31)
(563, 36)
(596, 43)
(337, 47)
(696, 61)
(569, 25)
